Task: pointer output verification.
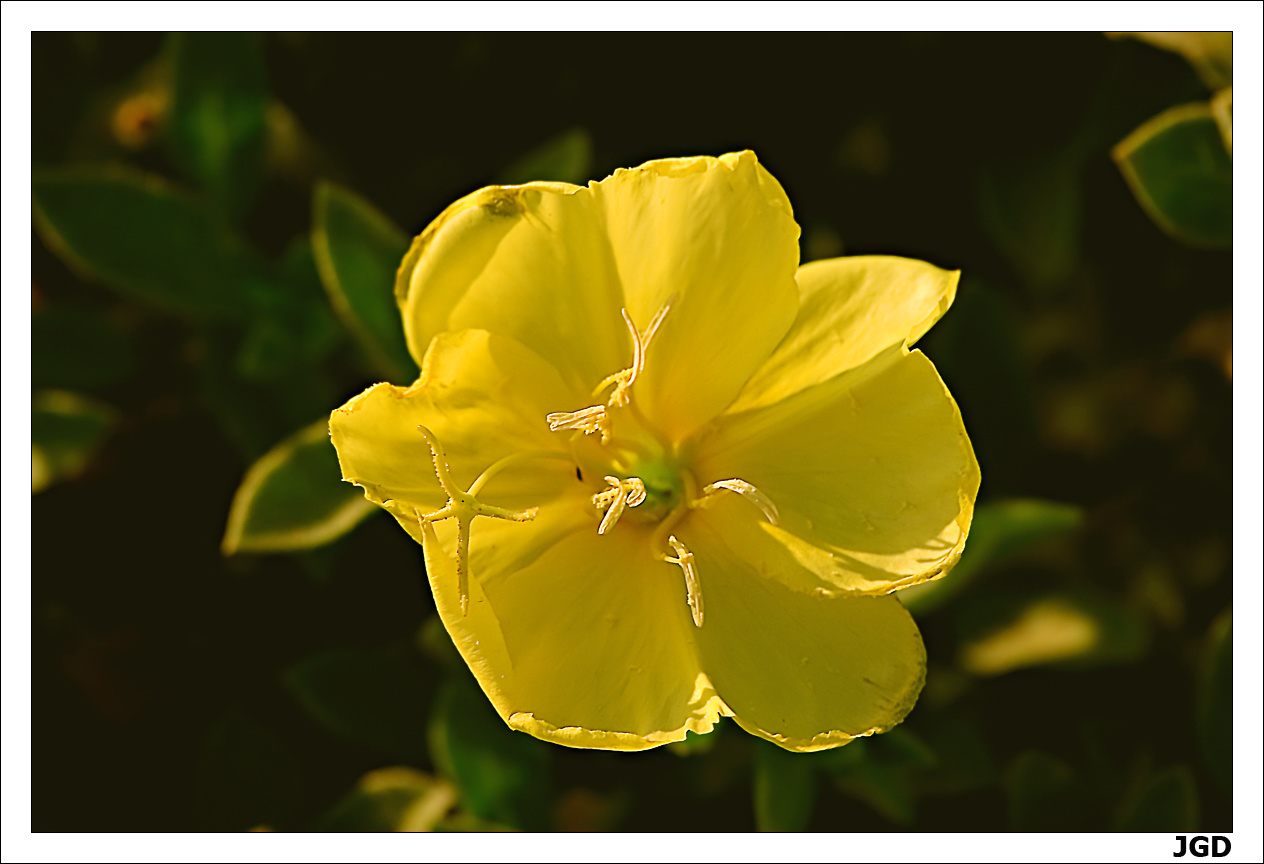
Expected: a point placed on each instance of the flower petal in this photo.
(551, 265)
(872, 473)
(717, 239)
(806, 672)
(484, 396)
(530, 262)
(580, 639)
(850, 309)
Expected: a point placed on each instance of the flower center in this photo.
(644, 478)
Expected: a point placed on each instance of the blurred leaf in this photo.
(880, 771)
(67, 430)
(1181, 175)
(294, 497)
(963, 759)
(566, 158)
(502, 773)
(695, 744)
(1167, 803)
(145, 240)
(1222, 110)
(784, 788)
(999, 530)
(1016, 631)
(1043, 794)
(1210, 53)
(1033, 211)
(391, 799)
(246, 775)
(357, 252)
(76, 346)
(1215, 702)
(375, 697)
(218, 119)
(435, 643)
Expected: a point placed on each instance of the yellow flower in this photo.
(661, 473)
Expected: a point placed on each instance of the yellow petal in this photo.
(576, 638)
(484, 396)
(850, 309)
(529, 262)
(806, 672)
(872, 473)
(716, 238)
(551, 265)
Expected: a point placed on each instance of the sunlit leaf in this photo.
(246, 775)
(357, 252)
(218, 118)
(1222, 110)
(140, 237)
(784, 788)
(1167, 803)
(391, 799)
(1000, 529)
(294, 498)
(67, 430)
(1043, 794)
(1180, 172)
(1018, 631)
(375, 697)
(1215, 701)
(502, 774)
(566, 158)
(1209, 52)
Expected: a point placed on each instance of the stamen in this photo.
(621, 494)
(625, 378)
(588, 420)
(693, 589)
(462, 506)
(746, 490)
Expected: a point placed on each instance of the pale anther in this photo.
(587, 420)
(747, 491)
(693, 589)
(621, 494)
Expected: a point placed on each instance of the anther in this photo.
(747, 491)
(587, 420)
(621, 494)
(693, 589)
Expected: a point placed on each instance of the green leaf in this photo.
(77, 346)
(218, 118)
(1167, 803)
(880, 772)
(1181, 174)
(784, 788)
(391, 799)
(375, 697)
(1215, 702)
(294, 497)
(566, 158)
(358, 251)
(1043, 794)
(67, 430)
(1000, 529)
(246, 775)
(502, 773)
(145, 240)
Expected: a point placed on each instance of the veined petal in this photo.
(484, 396)
(580, 639)
(716, 238)
(871, 471)
(850, 309)
(806, 672)
(529, 262)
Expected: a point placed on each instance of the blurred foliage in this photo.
(218, 219)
